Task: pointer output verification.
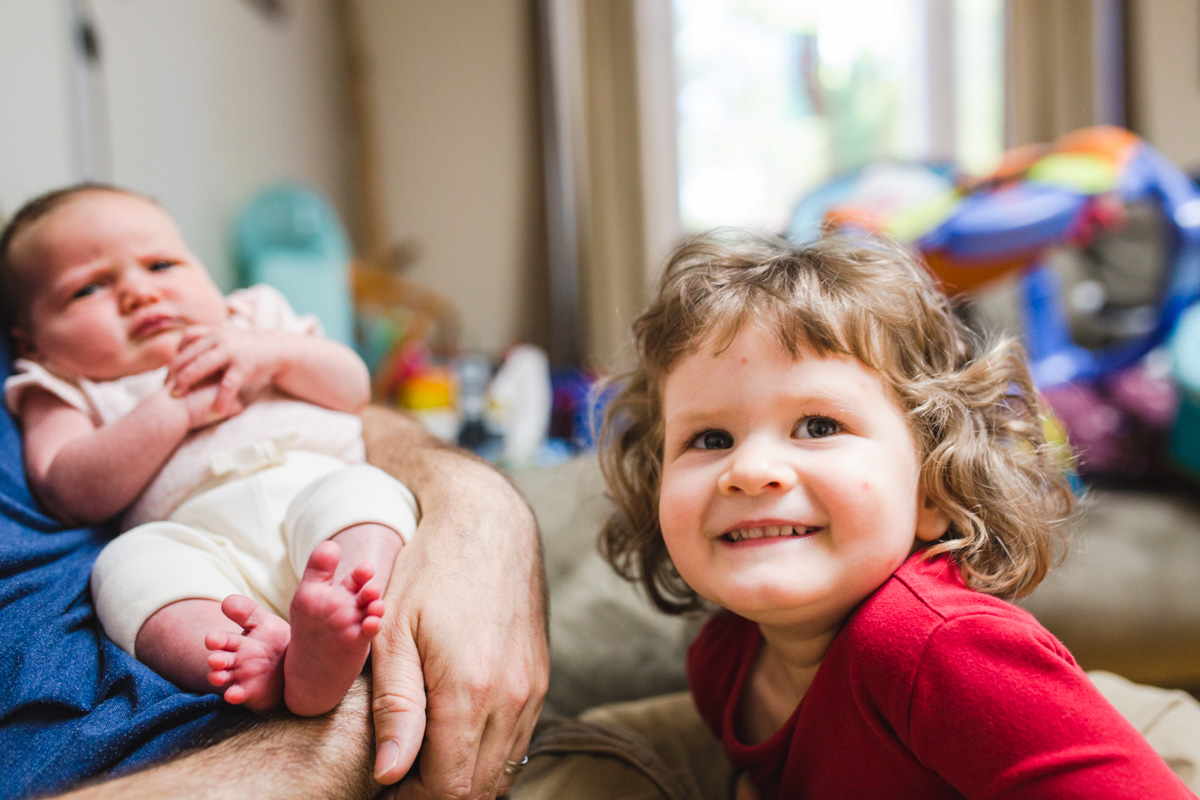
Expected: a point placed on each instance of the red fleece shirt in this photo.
(932, 690)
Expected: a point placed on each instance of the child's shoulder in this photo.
(925, 634)
(925, 611)
(936, 584)
(28, 375)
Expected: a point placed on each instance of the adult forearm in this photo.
(281, 758)
(476, 509)
(463, 644)
(446, 480)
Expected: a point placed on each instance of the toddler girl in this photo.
(223, 433)
(812, 441)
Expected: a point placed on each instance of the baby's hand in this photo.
(240, 361)
(200, 403)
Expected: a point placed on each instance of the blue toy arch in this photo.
(1011, 220)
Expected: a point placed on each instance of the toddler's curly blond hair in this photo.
(971, 404)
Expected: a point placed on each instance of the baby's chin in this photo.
(146, 361)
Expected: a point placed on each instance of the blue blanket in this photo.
(73, 704)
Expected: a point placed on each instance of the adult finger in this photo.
(472, 578)
(483, 698)
(449, 755)
(454, 763)
(515, 704)
(398, 703)
(503, 751)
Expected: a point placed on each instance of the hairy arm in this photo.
(281, 757)
(461, 664)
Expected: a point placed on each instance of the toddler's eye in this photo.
(84, 291)
(713, 440)
(158, 266)
(817, 428)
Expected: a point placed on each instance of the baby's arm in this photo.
(85, 474)
(311, 368)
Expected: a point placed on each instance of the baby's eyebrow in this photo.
(78, 273)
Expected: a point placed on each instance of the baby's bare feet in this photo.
(332, 628)
(249, 664)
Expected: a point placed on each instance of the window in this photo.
(776, 97)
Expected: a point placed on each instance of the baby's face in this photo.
(110, 287)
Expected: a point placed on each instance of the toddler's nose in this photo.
(754, 470)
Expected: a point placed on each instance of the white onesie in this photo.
(240, 505)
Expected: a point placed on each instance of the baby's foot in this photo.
(249, 664)
(332, 628)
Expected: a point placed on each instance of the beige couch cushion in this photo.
(607, 641)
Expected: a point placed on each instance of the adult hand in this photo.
(461, 663)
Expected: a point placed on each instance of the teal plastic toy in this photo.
(288, 236)
(1185, 353)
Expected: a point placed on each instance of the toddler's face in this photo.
(790, 488)
(110, 287)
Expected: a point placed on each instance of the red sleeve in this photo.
(1000, 710)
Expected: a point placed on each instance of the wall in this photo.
(455, 90)
(204, 103)
(35, 139)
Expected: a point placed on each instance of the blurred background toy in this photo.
(1101, 236)
(289, 237)
(520, 404)
(1185, 352)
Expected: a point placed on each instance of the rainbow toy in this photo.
(972, 231)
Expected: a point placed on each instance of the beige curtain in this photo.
(1049, 63)
(616, 124)
(1164, 76)
(614, 244)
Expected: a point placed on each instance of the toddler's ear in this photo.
(932, 522)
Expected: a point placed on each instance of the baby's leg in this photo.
(175, 642)
(368, 543)
(335, 614)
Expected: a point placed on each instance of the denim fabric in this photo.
(72, 704)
